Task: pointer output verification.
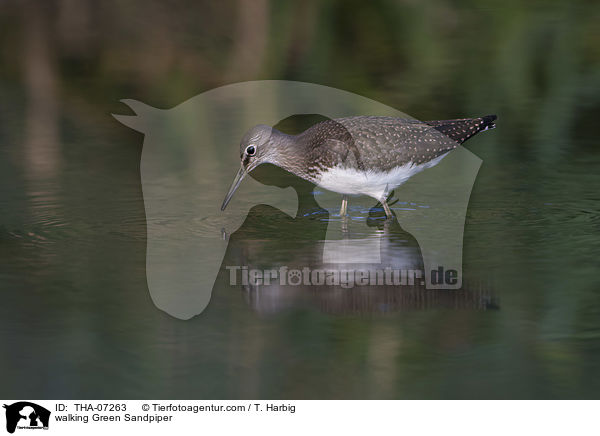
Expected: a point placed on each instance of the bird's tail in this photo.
(462, 129)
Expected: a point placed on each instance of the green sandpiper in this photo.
(361, 155)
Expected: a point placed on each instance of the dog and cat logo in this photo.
(26, 415)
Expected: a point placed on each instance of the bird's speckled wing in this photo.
(374, 143)
(383, 143)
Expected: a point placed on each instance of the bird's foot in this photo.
(386, 208)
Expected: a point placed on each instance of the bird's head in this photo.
(256, 147)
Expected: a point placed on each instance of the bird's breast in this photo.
(377, 184)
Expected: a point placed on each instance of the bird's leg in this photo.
(344, 206)
(345, 227)
(388, 212)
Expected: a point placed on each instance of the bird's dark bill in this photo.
(234, 185)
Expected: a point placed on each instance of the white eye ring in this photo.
(251, 150)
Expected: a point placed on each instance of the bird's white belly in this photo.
(376, 184)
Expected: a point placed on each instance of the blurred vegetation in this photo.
(536, 63)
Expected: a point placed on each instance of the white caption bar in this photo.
(300, 417)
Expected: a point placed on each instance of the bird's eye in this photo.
(251, 150)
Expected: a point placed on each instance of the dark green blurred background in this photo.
(76, 320)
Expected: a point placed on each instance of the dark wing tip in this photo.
(462, 129)
(488, 120)
(488, 123)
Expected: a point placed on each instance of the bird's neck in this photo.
(289, 155)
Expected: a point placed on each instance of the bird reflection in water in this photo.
(270, 239)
